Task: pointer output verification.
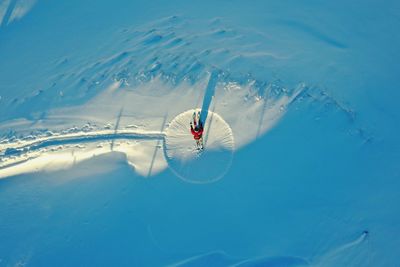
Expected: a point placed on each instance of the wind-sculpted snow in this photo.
(174, 50)
(152, 73)
(156, 77)
(161, 58)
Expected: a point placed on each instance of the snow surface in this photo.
(88, 93)
(192, 165)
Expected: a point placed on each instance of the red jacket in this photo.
(197, 135)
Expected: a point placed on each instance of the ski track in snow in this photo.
(17, 153)
(18, 149)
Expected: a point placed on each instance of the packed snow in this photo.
(199, 166)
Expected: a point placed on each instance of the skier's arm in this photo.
(191, 129)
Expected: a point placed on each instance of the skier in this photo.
(197, 130)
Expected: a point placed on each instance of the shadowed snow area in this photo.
(192, 165)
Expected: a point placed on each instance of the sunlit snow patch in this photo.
(192, 165)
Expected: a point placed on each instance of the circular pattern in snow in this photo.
(208, 165)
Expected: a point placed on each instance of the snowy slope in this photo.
(306, 92)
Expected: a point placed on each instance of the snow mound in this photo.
(186, 162)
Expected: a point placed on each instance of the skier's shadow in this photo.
(157, 146)
(208, 96)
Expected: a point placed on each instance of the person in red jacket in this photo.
(197, 131)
